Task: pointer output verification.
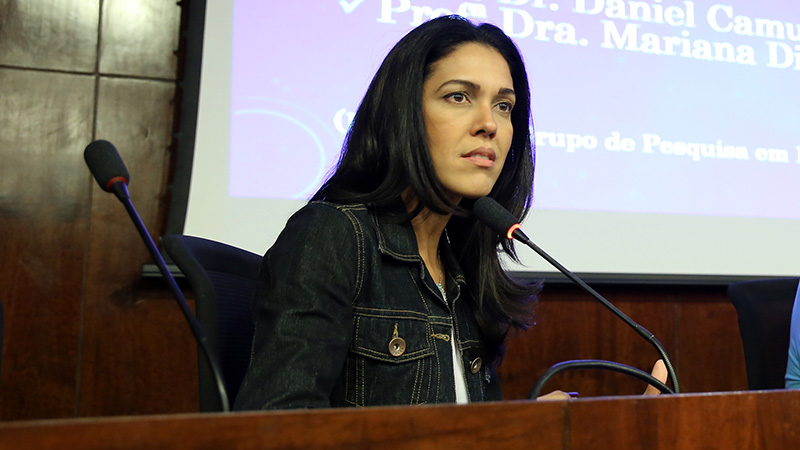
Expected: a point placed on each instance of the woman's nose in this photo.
(485, 122)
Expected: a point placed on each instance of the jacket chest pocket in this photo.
(392, 359)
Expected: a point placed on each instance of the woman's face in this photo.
(466, 104)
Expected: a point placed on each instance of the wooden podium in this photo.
(752, 420)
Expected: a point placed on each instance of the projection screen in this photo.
(667, 132)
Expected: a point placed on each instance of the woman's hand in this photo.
(558, 395)
(659, 372)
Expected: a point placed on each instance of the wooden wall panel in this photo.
(49, 34)
(572, 325)
(711, 353)
(697, 325)
(84, 335)
(138, 353)
(44, 220)
(140, 38)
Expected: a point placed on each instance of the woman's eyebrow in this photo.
(507, 91)
(469, 84)
(476, 87)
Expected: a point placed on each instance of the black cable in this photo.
(596, 364)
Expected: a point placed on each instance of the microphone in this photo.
(107, 167)
(502, 222)
(111, 174)
(498, 219)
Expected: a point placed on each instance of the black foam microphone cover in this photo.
(493, 215)
(106, 165)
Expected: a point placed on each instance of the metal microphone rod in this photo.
(638, 328)
(121, 191)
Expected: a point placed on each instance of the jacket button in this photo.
(397, 346)
(475, 365)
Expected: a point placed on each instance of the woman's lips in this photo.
(481, 157)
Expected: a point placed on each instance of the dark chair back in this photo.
(764, 308)
(224, 280)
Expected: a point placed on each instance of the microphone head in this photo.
(105, 164)
(493, 215)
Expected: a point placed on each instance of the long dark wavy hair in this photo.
(385, 152)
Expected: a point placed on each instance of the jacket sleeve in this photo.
(304, 314)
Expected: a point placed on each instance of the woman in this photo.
(382, 290)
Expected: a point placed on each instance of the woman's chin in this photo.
(476, 193)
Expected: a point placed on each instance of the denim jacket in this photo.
(347, 315)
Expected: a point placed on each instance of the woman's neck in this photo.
(428, 228)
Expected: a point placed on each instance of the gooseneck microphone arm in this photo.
(596, 364)
(642, 331)
(499, 219)
(110, 172)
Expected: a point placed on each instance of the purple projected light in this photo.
(658, 107)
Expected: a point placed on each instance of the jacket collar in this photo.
(397, 240)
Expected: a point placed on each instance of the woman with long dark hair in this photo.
(383, 290)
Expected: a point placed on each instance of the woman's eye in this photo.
(505, 106)
(457, 97)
